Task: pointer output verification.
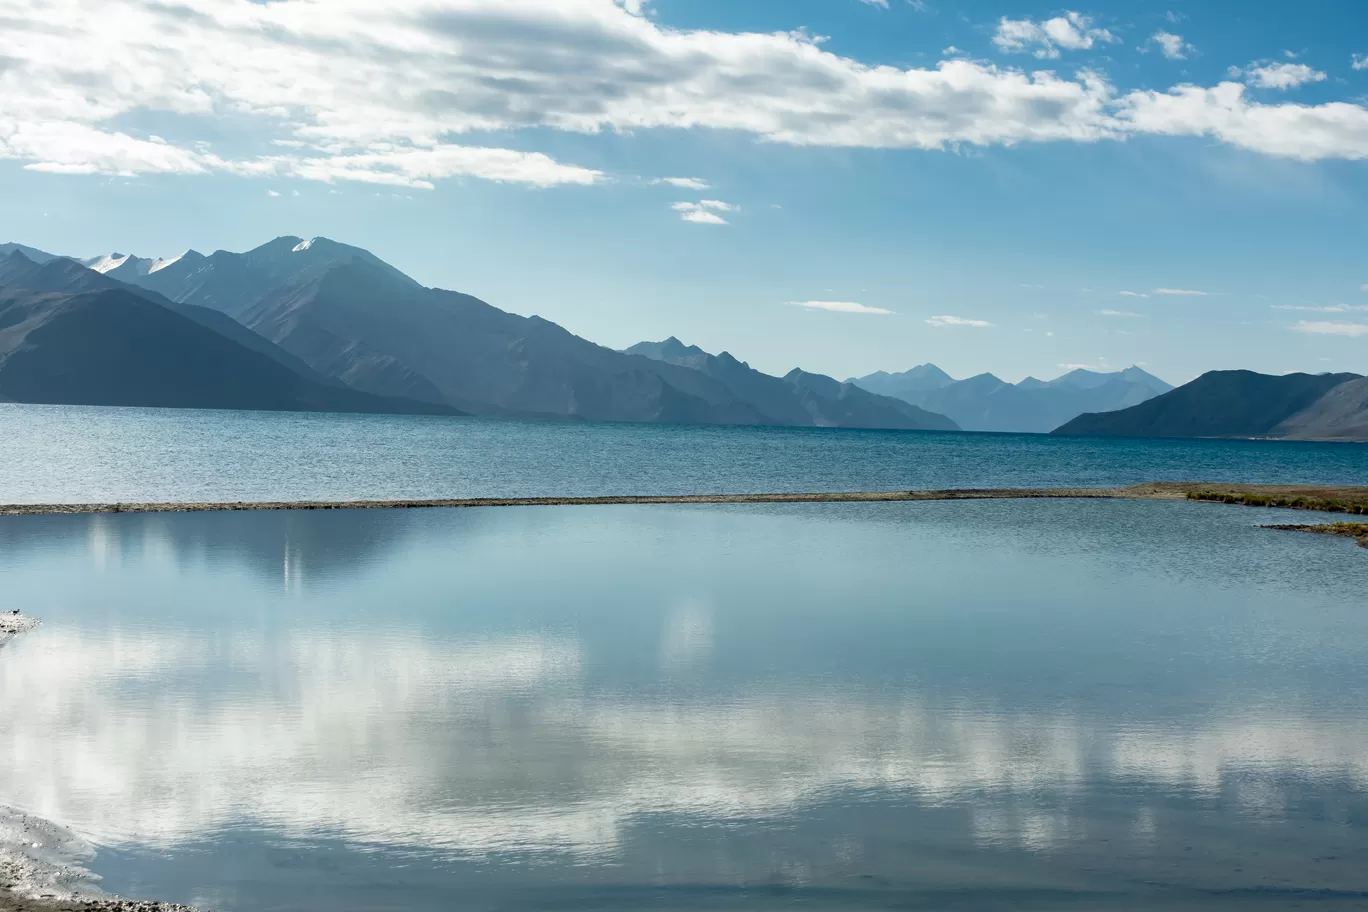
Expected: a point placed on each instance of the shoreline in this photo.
(1331, 498)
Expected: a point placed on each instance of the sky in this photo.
(841, 185)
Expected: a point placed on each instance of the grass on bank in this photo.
(1326, 505)
(1356, 531)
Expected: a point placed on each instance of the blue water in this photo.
(972, 705)
(78, 454)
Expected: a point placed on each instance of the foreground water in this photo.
(978, 705)
(53, 454)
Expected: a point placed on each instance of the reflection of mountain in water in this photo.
(288, 546)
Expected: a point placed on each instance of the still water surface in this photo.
(975, 705)
(65, 454)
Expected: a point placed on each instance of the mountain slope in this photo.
(31, 253)
(1341, 414)
(114, 347)
(1216, 404)
(379, 331)
(69, 277)
(799, 399)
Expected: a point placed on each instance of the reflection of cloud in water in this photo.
(493, 745)
(688, 637)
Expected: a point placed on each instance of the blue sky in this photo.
(1020, 187)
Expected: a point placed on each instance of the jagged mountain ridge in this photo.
(799, 398)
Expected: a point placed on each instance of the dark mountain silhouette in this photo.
(987, 403)
(114, 347)
(1220, 404)
(800, 398)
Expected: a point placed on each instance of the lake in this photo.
(969, 705)
(54, 454)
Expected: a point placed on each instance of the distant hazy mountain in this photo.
(987, 403)
(799, 398)
(1236, 404)
(921, 379)
(115, 347)
(32, 253)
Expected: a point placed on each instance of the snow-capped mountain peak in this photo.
(125, 264)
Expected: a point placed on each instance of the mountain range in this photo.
(320, 325)
(986, 403)
(336, 318)
(1243, 404)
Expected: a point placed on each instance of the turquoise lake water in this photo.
(971, 705)
(70, 454)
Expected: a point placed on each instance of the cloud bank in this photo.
(407, 92)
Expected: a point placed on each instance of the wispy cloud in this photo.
(1359, 62)
(1319, 308)
(1332, 329)
(704, 212)
(1101, 366)
(955, 321)
(882, 3)
(1171, 46)
(1181, 291)
(684, 183)
(272, 193)
(1117, 313)
(849, 307)
(1132, 294)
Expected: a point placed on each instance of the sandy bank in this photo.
(1176, 490)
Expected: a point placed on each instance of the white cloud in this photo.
(956, 321)
(840, 307)
(1072, 31)
(1181, 291)
(704, 212)
(1171, 46)
(1332, 329)
(272, 193)
(882, 3)
(383, 91)
(684, 183)
(1282, 75)
(1117, 313)
(1132, 294)
(1360, 62)
(1100, 366)
(1331, 130)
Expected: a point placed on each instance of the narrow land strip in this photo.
(1316, 497)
